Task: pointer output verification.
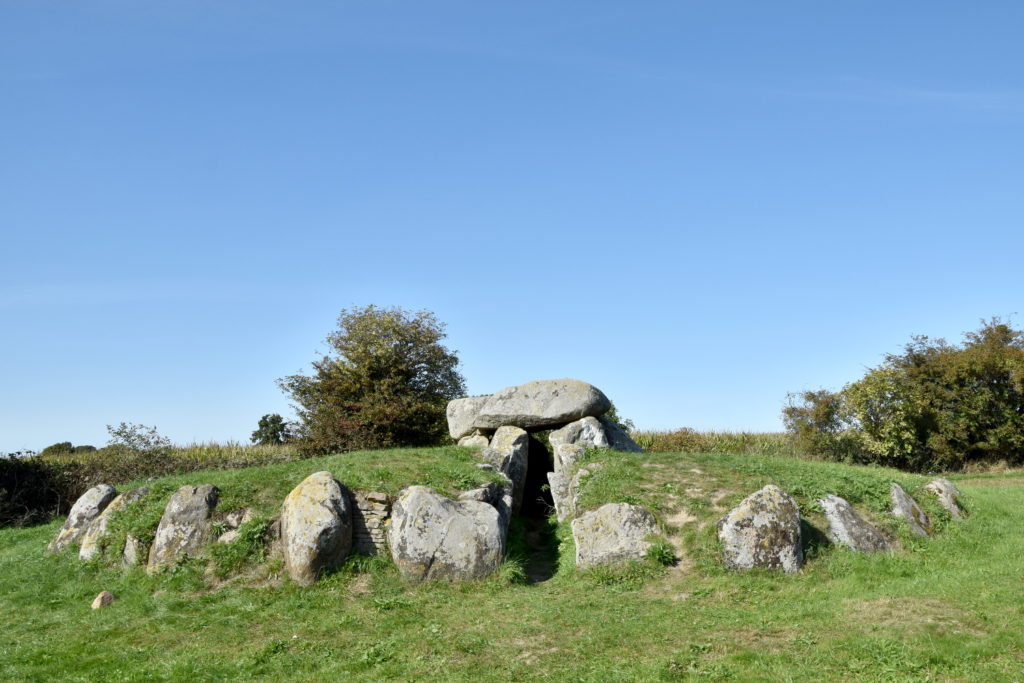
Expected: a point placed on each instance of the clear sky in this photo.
(696, 206)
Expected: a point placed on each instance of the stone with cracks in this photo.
(508, 453)
(615, 532)
(92, 539)
(907, 509)
(316, 527)
(462, 413)
(587, 432)
(185, 526)
(433, 537)
(948, 495)
(847, 528)
(86, 509)
(542, 403)
(763, 531)
(561, 480)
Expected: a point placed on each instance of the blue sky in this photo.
(696, 206)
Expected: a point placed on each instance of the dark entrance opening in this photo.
(539, 544)
(537, 500)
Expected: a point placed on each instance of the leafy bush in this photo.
(32, 490)
(386, 383)
(936, 406)
(138, 438)
(62, 447)
(272, 429)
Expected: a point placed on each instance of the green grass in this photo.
(949, 608)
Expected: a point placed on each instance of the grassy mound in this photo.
(945, 608)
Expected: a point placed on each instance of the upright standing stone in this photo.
(316, 527)
(508, 452)
(92, 539)
(618, 439)
(86, 509)
(433, 537)
(948, 495)
(763, 531)
(185, 526)
(615, 532)
(586, 432)
(907, 509)
(847, 528)
(542, 403)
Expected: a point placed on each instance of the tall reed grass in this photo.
(687, 440)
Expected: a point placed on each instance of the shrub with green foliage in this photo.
(936, 406)
(385, 383)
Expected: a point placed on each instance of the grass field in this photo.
(948, 608)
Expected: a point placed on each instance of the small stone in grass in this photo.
(104, 599)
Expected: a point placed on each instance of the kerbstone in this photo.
(184, 529)
(615, 532)
(97, 531)
(907, 509)
(847, 528)
(763, 531)
(316, 527)
(86, 509)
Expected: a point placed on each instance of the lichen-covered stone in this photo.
(462, 413)
(587, 432)
(847, 528)
(542, 403)
(509, 454)
(948, 495)
(86, 509)
(907, 509)
(316, 527)
(92, 539)
(135, 552)
(433, 537)
(561, 480)
(763, 531)
(615, 532)
(558, 483)
(185, 526)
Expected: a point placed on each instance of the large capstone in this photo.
(86, 509)
(509, 454)
(763, 531)
(615, 532)
(542, 403)
(462, 413)
(948, 495)
(847, 528)
(433, 537)
(185, 526)
(96, 534)
(316, 527)
(907, 509)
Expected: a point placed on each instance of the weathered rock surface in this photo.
(433, 537)
(92, 539)
(86, 509)
(948, 495)
(542, 403)
(462, 413)
(104, 599)
(763, 531)
(508, 453)
(560, 495)
(615, 532)
(587, 432)
(316, 527)
(561, 480)
(907, 509)
(847, 528)
(475, 440)
(135, 552)
(618, 439)
(185, 526)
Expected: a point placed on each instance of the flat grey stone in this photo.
(462, 413)
(907, 509)
(542, 403)
(615, 532)
(849, 529)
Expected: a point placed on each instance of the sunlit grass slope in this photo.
(948, 608)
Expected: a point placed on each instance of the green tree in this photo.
(385, 382)
(272, 429)
(935, 406)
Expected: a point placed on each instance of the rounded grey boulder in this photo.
(185, 526)
(763, 531)
(542, 403)
(615, 532)
(847, 528)
(433, 537)
(316, 527)
(86, 509)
